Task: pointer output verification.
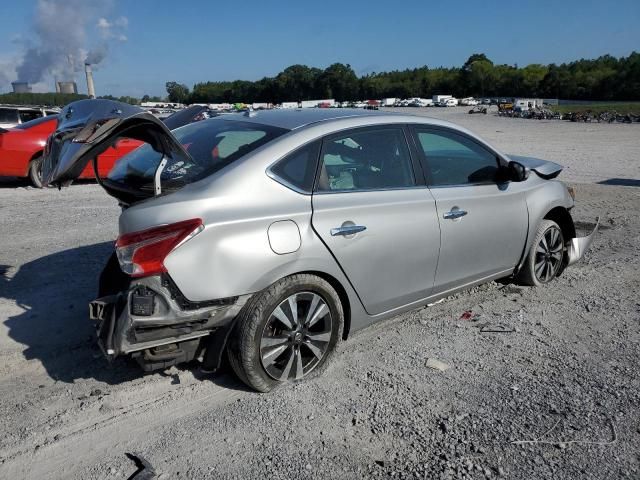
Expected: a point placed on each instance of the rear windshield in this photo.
(212, 145)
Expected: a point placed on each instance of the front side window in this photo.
(366, 159)
(453, 159)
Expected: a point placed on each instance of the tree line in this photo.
(603, 78)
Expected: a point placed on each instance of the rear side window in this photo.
(298, 169)
(366, 159)
(453, 159)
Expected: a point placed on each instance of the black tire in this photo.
(545, 259)
(258, 324)
(35, 172)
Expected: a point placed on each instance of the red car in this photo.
(21, 151)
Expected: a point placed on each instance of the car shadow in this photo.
(17, 182)
(14, 182)
(621, 182)
(53, 293)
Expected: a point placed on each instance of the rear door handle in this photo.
(453, 214)
(347, 230)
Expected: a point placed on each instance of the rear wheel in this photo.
(286, 333)
(35, 172)
(544, 260)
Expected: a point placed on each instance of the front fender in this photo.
(542, 198)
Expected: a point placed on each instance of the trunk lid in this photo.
(87, 128)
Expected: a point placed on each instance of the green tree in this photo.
(178, 93)
(338, 81)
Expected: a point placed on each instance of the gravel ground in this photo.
(542, 383)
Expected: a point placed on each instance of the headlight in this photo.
(572, 192)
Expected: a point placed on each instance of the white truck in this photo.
(388, 102)
(289, 105)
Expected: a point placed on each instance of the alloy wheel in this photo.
(296, 336)
(549, 252)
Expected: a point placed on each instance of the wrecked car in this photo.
(271, 236)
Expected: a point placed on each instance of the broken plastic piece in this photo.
(145, 470)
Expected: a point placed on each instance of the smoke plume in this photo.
(65, 35)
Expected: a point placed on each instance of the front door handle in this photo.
(453, 214)
(347, 230)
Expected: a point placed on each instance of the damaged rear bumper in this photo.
(153, 322)
(579, 245)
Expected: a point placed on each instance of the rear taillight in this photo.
(142, 253)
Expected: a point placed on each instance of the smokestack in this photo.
(91, 91)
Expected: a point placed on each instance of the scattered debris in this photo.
(496, 328)
(145, 470)
(470, 316)
(563, 444)
(435, 303)
(437, 365)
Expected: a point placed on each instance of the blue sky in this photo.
(194, 41)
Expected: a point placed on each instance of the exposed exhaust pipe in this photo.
(91, 91)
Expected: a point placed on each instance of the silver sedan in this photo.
(273, 235)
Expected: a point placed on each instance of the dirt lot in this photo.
(563, 377)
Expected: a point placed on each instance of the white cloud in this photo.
(104, 23)
(113, 29)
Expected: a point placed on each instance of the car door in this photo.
(376, 216)
(483, 220)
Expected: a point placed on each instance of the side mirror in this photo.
(516, 172)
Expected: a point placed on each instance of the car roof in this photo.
(296, 118)
(324, 120)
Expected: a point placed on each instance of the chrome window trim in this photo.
(283, 182)
(360, 190)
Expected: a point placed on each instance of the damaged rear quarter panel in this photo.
(239, 257)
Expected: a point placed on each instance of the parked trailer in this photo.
(523, 104)
(315, 103)
(388, 102)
